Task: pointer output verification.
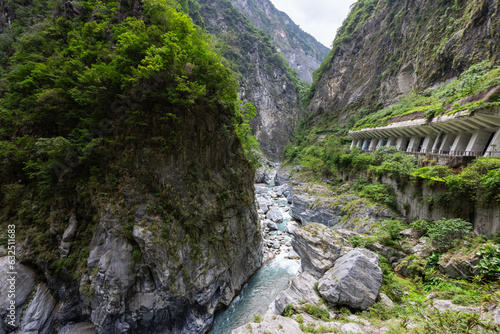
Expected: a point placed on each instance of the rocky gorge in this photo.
(334, 273)
(131, 200)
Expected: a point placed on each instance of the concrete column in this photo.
(413, 145)
(448, 140)
(373, 144)
(494, 147)
(401, 142)
(460, 143)
(354, 143)
(478, 141)
(391, 141)
(360, 143)
(366, 144)
(437, 143)
(428, 143)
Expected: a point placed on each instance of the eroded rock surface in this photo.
(318, 247)
(354, 281)
(300, 291)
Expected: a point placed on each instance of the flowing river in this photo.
(263, 287)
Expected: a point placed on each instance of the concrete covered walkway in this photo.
(456, 135)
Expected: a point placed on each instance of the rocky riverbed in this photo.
(333, 274)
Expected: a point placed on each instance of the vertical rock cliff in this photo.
(265, 78)
(131, 197)
(302, 51)
(386, 49)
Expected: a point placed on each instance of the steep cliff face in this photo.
(266, 79)
(302, 51)
(130, 194)
(386, 49)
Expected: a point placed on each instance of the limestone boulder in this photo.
(272, 226)
(264, 203)
(275, 215)
(459, 266)
(354, 281)
(281, 190)
(444, 305)
(301, 290)
(263, 175)
(318, 247)
(37, 319)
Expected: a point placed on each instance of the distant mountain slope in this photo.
(265, 78)
(302, 51)
(386, 49)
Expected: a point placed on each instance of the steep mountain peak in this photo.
(302, 51)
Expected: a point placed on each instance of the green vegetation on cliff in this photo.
(387, 49)
(446, 100)
(93, 100)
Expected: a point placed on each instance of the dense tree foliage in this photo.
(66, 79)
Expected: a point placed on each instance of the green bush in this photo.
(316, 311)
(445, 233)
(392, 227)
(454, 322)
(489, 264)
(289, 310)
(381, 193)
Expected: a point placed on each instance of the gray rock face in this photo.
(302, 51)
(264, 203)
(151, 294)
(270, 225)
(37, 319)
(22, 285)
(340, 85)
(354, 281)
(68, 236)
(317, 204)
(270, 324)
(303, 209)
(318, 247)
(301, 289)
(283, 175)
(264, 81)
(275, 215)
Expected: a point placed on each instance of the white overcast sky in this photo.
(320, 18)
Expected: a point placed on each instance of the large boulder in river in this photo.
(270, 225)
(301, 290)
(275, 215)
(264, 203)
(319, 247)
(354, 281)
